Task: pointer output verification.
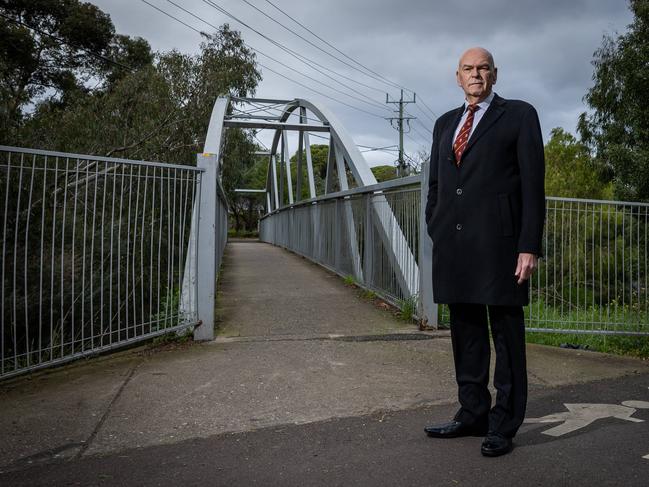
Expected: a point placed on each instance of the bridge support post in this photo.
(428, 308)
(207, 246)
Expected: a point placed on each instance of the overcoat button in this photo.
(458, 191)
(458, 226)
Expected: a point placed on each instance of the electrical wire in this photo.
(270, 69)
(314, 45)
(392, 83)
(304, 59)
(371, 102)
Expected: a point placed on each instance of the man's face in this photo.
(476, 75)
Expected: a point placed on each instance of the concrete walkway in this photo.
(307, 384)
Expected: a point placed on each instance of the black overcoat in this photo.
(482, 214)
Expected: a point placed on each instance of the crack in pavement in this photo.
(86, 444)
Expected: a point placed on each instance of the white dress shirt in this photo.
(477, 116)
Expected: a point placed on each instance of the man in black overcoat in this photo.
(485, 213)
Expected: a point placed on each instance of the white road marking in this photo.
(581, 415)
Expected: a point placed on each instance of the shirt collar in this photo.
(484, 104)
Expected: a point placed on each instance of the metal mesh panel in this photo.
(594, 274)
(93, 251)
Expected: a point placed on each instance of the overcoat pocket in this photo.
(505, 215)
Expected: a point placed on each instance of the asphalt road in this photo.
(386, 449)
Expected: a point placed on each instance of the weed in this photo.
(368, 294)
(350, 280)
(408, 307)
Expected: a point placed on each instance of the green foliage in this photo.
(617, 127)
(158, 112)
(570, 171)
(350, 281)
(319, 158)
(47, 45)
(368, 294)
(408, 308)
(637, 346)
(384, 173)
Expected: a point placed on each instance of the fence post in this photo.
(428, 307)
(207, 246)
(368, 243)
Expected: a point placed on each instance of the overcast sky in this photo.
(543, 51)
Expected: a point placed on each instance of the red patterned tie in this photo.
(463, 135)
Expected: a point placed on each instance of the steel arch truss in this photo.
(344, 161)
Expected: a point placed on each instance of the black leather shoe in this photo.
(495, 445)
(455, 429)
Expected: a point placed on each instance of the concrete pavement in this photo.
(307, 384)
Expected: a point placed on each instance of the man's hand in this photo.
(525, 267)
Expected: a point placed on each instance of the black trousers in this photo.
(471, 352)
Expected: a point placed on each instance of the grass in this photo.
(613, 316)
(350, 281)
(408, 308)
(636, 346)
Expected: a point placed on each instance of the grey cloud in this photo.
(543, 50)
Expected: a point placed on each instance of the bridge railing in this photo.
(593, 278)
(93, 254)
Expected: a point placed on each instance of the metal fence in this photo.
(93, 253)
(371, 234)
(593, 278)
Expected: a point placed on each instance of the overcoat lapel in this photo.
(493, 113)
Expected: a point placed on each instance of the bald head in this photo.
(476, 74)
(477, 51)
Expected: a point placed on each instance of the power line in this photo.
(268, 68)
(312, 44)
(371, 102)
(175, 18)
(304, 59)
(386, 80)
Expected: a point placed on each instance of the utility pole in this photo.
(401, 167)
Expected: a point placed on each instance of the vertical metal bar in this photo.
(132, 324)
(601, 271)
(52, 257)
(42, 264)
(181, 233)
(299, 170)
(15, 266)
(83, 260)
(65, 201)
(74, 229)
(142, 232)
(4, 265)
(102, 283)
(287, 160)
(280, 175)
(26, 250)
(119, 258)
(160, 225)
(196, 223)
(173, 248)
(151, 240)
